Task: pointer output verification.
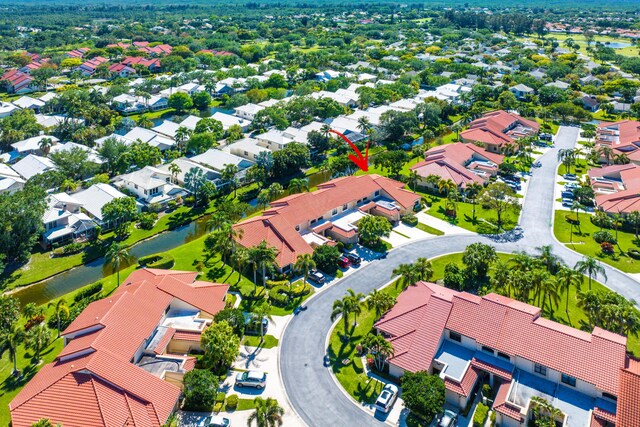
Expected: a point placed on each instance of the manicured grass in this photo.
(245, 404)
(428, 229)
(464, 215)
(254, 341)
(581, 167)
(151, 115)
(10, 386)
(583, 242)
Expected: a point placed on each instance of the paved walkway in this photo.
(311, 389)
(444, 226)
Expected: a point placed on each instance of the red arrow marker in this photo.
(361, 161)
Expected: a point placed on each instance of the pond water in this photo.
(617, 45)
(95, 270)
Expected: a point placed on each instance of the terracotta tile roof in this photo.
(164, 341)
(603, 414)
(465, 386)
(500, 404)
(597, 422)
(505, 325)
(277, 224)
(628, 409)
(624, 201)
(187, 336)
(493, 128)
(95, 367)
(496, 370)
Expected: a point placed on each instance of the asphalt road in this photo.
(309, 385)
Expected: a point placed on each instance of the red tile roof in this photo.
(494, 128)
(466, 385)
(515, 328)
(145, 62)
(92, 381)
(492, 369)
(502, 405)
(277, 224)
(628, 409)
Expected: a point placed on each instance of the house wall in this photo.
(395, 371)
(555, 377)
(174, 378)
(504, 421)
(182, 347)
(339, 209)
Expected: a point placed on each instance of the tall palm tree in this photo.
(500, 271)
(10, 339)
(471, 191)
(229, 175)
(304, 264)
(218, 220)
(413, 179)
(174, 170)
(298, 185)
(589, 266)
(548, 259)
(363, 125)
(350, 303)
(549, 290)
(60, 308)
(36, 339)
(45, 145)
(634, 219)
(261, 256)
(275, 191)
(239, 259)
(424, 269)
(116, 256)
(446, 186)
(380, 302)
(268, 413)
(408, 275)
(605, 152)
(182, 136)
(569, 278)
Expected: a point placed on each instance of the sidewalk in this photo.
(441, 225)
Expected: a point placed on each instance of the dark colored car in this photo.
(344, 262)
(353, 258)
(316, 277)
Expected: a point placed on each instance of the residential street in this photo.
(309, 385)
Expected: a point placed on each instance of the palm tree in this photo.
(260, 256)
(591, 268)
(239, 259)
(45, 145)
(408, 275)
(634, 220)
(568, 278)
(606, 152)
(380, 302)
(500, 276)
(36, 339)
(10, 339)
(350, 303)
(549, 290)
(548, 259)
(229, 175)
(446, 186)
(261, 312)
(363, 125)
(423, 269)
(471, 191)
(275, 191)
(457, 128)
(268, 413)
(218, 220)
(60, 307)
(174, 170)
(68, 185)
(182, 136)
(304, 263)
(116, 256)
(413, 179)
(298, 185)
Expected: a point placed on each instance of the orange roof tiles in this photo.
(502, 405)
(493, 128)
(628, 409)
(92, 381)
(277, 224)
(464, 387)
(503, 324)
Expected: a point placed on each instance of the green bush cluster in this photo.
(480, 416)
(604, 236)
(232, 402)
(88, 291)
(280, 295)
(70, 249)
(163, 261)
(410, 219)
(273, 283)
(147, 220)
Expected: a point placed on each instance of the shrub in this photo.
(301, 290)
(604, 236)
(164, 261)
(199, 394)
(634, 253)
(480, 416)
(232, 402)
(279, 295)
(607, 248)
(88, 291)
(154, 207)
(172, 204)
(487, 391)
(410, 219)
(272, 283)
(326, 258)
(35, 320)
(70, 249)
(189, 200)
(147, 220)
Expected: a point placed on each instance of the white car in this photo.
(387, 398)
(215, 421)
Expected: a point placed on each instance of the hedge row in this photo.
(163, 261)
(280, 295)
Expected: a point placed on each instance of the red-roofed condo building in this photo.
(498, 129)
(617, 188)
(465, 338)
(124, 355)
(461, 163)
(298, 223)
(623, 137)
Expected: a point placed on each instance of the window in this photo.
(540, 369)
(609, 396)
(568, 380)
(246, 153)
(335, 211)
(377, 193)
(487, 349)
(504, 356)
(313, 221)
(344, 207)
(297, 228)
(454, 336)
(319, 218)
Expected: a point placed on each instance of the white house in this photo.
(10, 180)
(248, 148)
(151, 186)
(95, 197)
(29, 103)
(63, 220)
(248, 111)
(228, 120)
(32, 145)
(150, 137)
(33, 165)
(521, 91)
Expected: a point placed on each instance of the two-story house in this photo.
(151, 186)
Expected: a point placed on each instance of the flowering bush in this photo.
(606, 248)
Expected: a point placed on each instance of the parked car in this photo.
(344, 262)
(570, 176)
(570, 185)
(354, 259)
(546, 136)
(448, 419)
(567, 194)
(256, 379)
(567, 202)
(537, 164)
(387, 398)
(316, 276)
(215, 421)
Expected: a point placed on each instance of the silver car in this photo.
(448, 419)
(387, 398)
(256, 379)
(215, 421)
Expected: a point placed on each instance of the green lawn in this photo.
(428, 229)
(581, 167)
(464, 215)
(583, 243)
(254, 341)
(42, 266)
(351, 373)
